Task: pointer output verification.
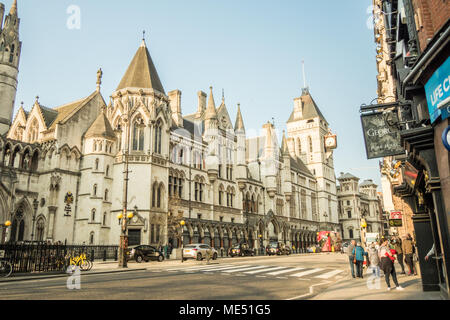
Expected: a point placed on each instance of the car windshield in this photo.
(189, 246)
(273, 245)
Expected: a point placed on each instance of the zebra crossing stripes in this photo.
(224, 268)
(285, 271)
(264, 270)
(198, 267)
(329, 274)
(305, 273)
(244, 269)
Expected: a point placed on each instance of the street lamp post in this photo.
(35, 207)
(124, 234)
(4, 226)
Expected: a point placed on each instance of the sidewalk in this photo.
(365, 289)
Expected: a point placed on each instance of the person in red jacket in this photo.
(387, 257)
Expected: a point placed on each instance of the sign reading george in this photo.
(381, 139)
(437, 90)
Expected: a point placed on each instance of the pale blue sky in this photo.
(251, 48)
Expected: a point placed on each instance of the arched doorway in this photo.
(272, 231)
(18, 225)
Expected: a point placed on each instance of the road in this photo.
(250, 278)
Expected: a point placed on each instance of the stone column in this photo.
(51, 222)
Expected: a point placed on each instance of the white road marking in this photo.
(264, 270)
(282, 277)
(244, 269)
(311, 291)
(228, 268)
(261, 276)
(329, 274)
(304, 273)
(198, 267)
(285, 271)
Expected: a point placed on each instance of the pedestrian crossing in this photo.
(286, 272)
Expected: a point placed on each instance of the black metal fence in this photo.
(43, 257)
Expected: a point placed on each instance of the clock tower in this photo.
(311, 140)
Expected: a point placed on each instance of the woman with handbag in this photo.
(387, 257)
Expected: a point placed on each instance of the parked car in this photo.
(284, 249)
(272, 249)
(198, 251)
(144, 253)
(344, 248)
(241, 250)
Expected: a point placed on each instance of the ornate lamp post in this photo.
(35, 207)
(4, 226)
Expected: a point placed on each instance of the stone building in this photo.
(62, 168)
(358, 201)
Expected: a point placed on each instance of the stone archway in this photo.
(21, 223)
(272, 231)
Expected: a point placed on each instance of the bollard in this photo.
(92, 255)
(115, 255)
(104, 255)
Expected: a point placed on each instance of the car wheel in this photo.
(199, 257)
(215, 256)
(139, 259)
(161, 258)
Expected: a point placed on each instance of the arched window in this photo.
(40, 228)
(350, 233)
(299, 146)
(221, 195)
(158, 137)
(106, 194)
(156, 196)
(310, 144)
(96, 163)
(94, 191)
(11, 56)
(104, 218)
(138, 134)
(91, 238)
(93, 215)
(107, 171)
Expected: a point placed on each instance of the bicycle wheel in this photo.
(91, 264)
(5, 269)
(84, 265)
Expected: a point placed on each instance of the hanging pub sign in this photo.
(381, 140)
(395, 220)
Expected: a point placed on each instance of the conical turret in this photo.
(239, 126)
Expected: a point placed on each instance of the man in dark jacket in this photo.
(408, 250)
(350, 248)
(397, 242)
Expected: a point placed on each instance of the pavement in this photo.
(372, 288)
(324, 276)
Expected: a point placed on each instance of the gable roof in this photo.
(347, 176)
(310, 108)
(298, 165)
(101, 128)
(141, 72)
(48, 114)
(68, 110)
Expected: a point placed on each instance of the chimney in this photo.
(201, 102)
(175, 107)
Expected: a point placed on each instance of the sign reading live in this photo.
(395, 220)
(396, 215)
(437, 90)
(381, 139)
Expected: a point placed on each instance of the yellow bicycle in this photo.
(81, 261)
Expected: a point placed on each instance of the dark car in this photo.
(241, 250)
(144, 253)
(272, 249)
(284, 249)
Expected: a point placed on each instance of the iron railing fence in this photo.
(43, 257)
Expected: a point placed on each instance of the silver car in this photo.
(198, 251)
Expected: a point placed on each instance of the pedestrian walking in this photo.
(351, 256)
(166, 247)
(208, 255)
(397, 242)
(359, 255)
(387, 258)
(374, 260)
(409, 250)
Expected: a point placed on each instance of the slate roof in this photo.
(347, 176)
(141, 72)
(101, 128)
(310, 108)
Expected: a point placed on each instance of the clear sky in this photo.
(252, 49)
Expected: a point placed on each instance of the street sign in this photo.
(381, 140)
(395, 223)
(396, 215)
(437, 90)
(446, 138)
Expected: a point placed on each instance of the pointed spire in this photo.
(13, 10)
(141, 72)
(239, 126)
(211, 109)
(284, 145)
